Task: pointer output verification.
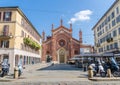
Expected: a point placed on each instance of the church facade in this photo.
(61, 46)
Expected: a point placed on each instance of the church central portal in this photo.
(61, 56)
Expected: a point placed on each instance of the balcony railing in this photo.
(109, 40)
(4, 35)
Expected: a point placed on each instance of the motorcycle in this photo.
(96, 70)
(5, 67)
(114, 68)
(4, 72)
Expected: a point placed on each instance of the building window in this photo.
(76, 52)
(97, 28)
(62, 43)
(22, 46)
(106, 28)
(109, 26)
(117, 10)
(116, 45)
(4, 44)
(7, 16)
(25, 34)
(102, 24)
(113, 15)
(111, 46)
(107, 47)
(118, 19)
(108, 18)
(109, 35)
(119, 31)
(113, 23)
(103, 31)
(0, 16)
(22, 33)
(100, 49)
(100, 27)
(5, 30)
(22, 22)
(114, 33)
(106, 21)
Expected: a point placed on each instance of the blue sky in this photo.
(83, 14)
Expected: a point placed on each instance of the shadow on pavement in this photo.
(65, 67)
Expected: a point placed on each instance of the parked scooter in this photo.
(98, 69)
(5, 68)
(114, 67)
(101, 70)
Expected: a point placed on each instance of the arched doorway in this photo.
(62, 56)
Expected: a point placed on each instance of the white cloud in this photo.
(81, 16)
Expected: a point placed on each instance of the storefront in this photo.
(14, 56)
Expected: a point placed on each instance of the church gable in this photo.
(61, 31)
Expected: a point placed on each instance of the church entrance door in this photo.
(62, 56)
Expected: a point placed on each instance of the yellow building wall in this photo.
(18, 30)
(11, 30)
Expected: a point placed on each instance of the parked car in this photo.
(73, 60)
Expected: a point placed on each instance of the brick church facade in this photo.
(61, 46)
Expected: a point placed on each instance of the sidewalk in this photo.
(33, 75)
(28, 68)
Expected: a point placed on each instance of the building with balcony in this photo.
(107, 31)
(19, 39)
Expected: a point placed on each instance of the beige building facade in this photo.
(107, 31)
(19, 40)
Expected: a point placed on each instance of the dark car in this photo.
(73, 60)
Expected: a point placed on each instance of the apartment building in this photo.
(107, 30)
(19, 39)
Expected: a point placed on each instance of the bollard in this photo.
(16, 72)
(90, 72)
(109, 72)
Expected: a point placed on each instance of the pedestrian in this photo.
(20, 66)
(32, 62)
